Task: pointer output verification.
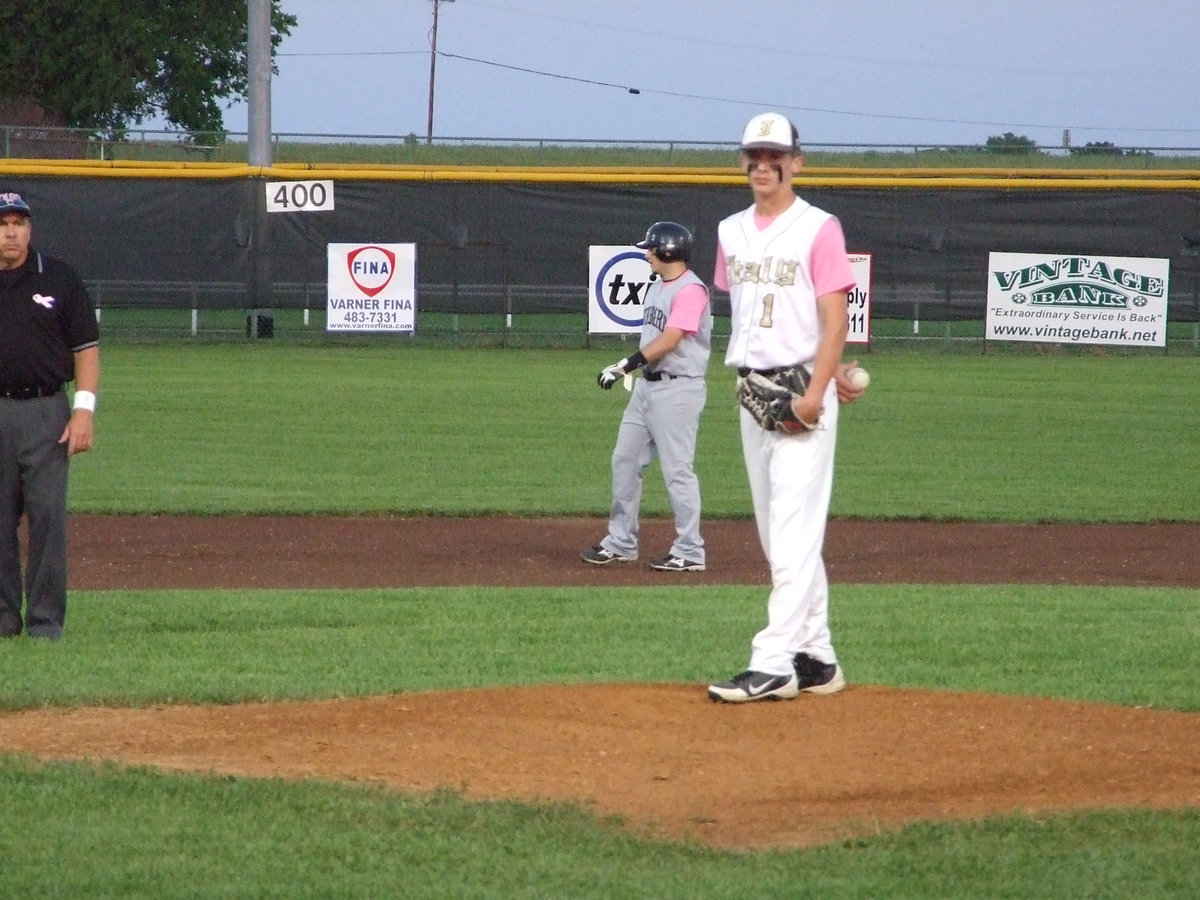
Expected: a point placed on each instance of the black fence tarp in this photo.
(929, 245)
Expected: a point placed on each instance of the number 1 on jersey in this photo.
(768, 305)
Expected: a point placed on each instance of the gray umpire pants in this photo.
(33, 482)
(661, 419)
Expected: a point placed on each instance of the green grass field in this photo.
(389, 428)
(567, 331)
(392, 428)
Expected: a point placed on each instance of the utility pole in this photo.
(260, 317)
(433, 67)
(258, 66)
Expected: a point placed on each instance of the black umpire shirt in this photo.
(46, 316)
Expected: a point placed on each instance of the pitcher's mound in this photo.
(671, 763)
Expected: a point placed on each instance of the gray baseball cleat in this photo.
(601, 556)
(671, 563)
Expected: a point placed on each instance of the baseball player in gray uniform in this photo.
(663, 413)
(784, 264)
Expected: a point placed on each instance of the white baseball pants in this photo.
(791, 482)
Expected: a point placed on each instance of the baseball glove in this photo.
(768, 398)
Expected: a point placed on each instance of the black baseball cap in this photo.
(13, 202)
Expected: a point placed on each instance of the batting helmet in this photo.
(670, 241)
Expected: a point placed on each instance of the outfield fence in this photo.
(516, 316)
(192, 251)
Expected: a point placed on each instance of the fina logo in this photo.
(621, 288)
(371, 268)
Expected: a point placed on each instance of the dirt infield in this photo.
(299, 552)
(812, 770)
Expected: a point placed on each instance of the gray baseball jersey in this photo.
(690, 356)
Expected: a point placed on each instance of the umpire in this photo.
(48, 337)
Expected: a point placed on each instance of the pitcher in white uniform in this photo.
(784, 264)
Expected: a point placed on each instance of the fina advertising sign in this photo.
(1077, 299)
(371, 287)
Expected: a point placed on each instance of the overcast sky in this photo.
(847, 72)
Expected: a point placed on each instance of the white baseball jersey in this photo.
(773, 302)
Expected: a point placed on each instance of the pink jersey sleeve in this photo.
(830, 268)
(687, 308)
(721, 273)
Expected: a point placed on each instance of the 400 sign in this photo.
(299, 196)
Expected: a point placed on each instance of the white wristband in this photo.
(85, 400)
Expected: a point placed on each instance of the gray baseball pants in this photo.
(661, 419)
(33, 483)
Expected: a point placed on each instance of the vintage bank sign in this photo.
(1077, 299)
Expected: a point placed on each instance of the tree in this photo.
(105, 64)
(1106, 148)
(1097, 148)
(1010, 143)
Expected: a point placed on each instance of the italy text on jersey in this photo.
(767, 271)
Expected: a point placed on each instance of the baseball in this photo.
(859, 378)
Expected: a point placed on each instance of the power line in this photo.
(808, 109)
(358, 53)
(775, 104)
(488, 62)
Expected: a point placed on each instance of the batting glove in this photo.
(611, 374)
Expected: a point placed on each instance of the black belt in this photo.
(769, 373)
(29, 393)
(661, 376)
